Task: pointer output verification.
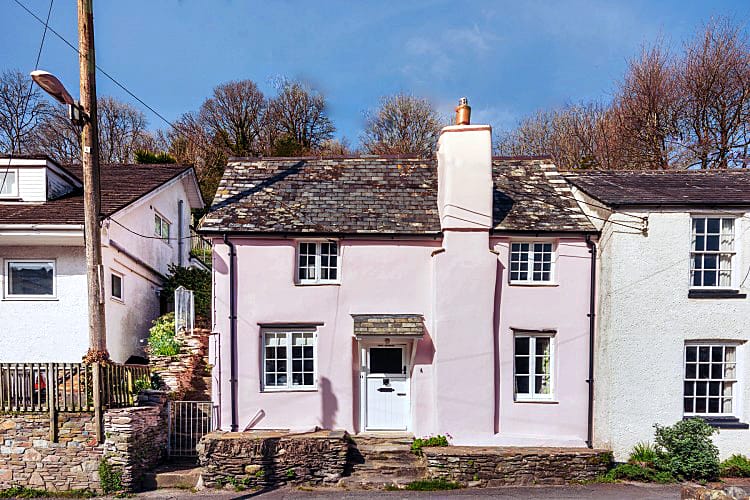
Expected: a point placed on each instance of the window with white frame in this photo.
(8, 183)
(710, 379)
(116, 286)
(289, 360)
(161, 227)
(30, 278)
(712, 252)
(531, 262)
(533, 358)
(318, 262)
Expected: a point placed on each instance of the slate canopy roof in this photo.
(379, 195)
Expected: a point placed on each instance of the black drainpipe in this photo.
(232, 331)
(592, 326)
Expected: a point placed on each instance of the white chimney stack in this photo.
(465, 173)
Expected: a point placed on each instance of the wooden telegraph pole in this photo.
(92, 206)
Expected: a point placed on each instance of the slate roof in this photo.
(388, 325)
(379, 195)
(121, 185)
(666, 187)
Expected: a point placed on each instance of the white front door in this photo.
(387, 388)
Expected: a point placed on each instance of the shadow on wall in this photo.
(496, 341)
(425, 350)
(329, 404)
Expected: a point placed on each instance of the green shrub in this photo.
(146, 156)
(736, 466)
(432, 485)
(634, 472)
(109, 477)
(686, 450)
(197, 280)
(644, 454)
(24, 492)
(161, 338)
(419, 443)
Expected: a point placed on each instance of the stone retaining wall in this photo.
(504, 466)
(176, 372)
(135, 439)
(266, 459)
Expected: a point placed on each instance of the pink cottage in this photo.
(449, 296)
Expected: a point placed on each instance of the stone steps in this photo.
(184, 476)
(381, 461)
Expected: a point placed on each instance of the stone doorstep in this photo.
(171, 476)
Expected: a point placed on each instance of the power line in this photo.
(31, 86)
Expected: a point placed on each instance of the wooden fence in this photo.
(35, 387)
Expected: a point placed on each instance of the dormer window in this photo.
(9, 183)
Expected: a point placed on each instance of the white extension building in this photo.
(146, 211)
(673, 313)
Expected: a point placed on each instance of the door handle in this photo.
(386, 389)
(400, 394)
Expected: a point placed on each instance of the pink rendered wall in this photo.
(564, 308)
(386, 276)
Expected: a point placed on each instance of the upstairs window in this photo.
(161, 227)
(710, 379)
(8, 183)
(531, 263)
(30, 279)
(317, 262)
(712, 252)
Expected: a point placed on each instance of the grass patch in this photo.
(419, 443)
(432, 485)
(24, 492)
(637, 472)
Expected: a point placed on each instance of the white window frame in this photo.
(6, 271)
(318, 280)
(532, 395)
(120, 275)
(289, 387)
(530, 262)
(14, 193)
(736, 393)
(732, 253)
(162, 221)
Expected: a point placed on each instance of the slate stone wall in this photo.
(506, 466)
(253, 460)
(135, 441)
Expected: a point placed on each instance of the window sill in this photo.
(716, 294)
(30, 299)
(324, 283)
(538, 401)
(540, 284)
(296, 389)
(119, 301)
(721, 422)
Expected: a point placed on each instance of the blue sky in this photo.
(509, 57)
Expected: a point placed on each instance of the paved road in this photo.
(583, 492)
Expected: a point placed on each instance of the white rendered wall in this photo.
(47, 330)
(645, 317)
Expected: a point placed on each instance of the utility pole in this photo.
(92, 206)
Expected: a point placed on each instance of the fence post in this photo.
(97, 390)
(169, 428)
(52, 402)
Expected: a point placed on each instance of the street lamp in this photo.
(55, 88)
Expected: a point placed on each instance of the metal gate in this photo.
(189, 421)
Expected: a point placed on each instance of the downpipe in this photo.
(592, 330)
(232, 331)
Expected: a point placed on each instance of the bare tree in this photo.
(297, 121)
(122, 130)
(646, 109)
(57, 137)
(403, 124)
(335, 147)
(715, 91)
(22, 108)
(233, 118)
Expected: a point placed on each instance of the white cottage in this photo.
(673, 331)
(145, 228)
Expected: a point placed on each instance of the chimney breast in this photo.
(463, 112)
